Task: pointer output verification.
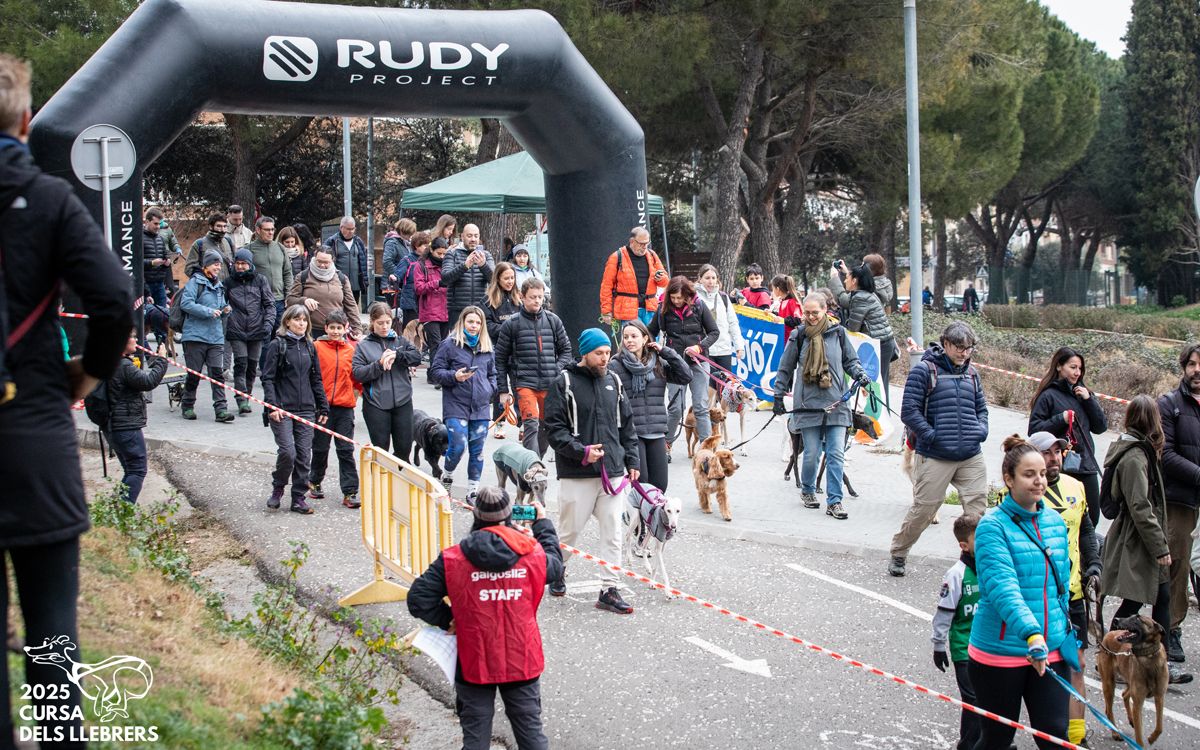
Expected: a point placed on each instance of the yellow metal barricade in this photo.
(406, 523)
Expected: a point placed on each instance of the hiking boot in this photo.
(896, 567)
(243, 406)
(1175, 645)
(225, 417)
(836, 510)
(299, 506)
(351, 502)
(1176, 675)
(189, 413)
(276, 496)
(558, 588)
(809, 499)
(611, 600)
(314, 491)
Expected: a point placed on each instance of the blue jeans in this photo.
(830, 440)
(465, 433)
(130, 447)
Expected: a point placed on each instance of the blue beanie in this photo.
(591, 340)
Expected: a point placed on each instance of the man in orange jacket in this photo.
(334, 352)
(632, 276)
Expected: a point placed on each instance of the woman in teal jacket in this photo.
(1021, 625)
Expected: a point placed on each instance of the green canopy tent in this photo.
(510, 185)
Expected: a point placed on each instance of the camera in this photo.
(524, 513)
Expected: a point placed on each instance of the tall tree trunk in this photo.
(994, 230)
(1025, 272)
(941, 255)
(249, 154)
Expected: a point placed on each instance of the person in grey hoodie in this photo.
(381, 364)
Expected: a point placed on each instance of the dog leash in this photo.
(845, 397)
(505, 416)
(606, 483)
(1067, 686)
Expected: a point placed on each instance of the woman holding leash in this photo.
(645, 368)
(1137, 561)
(1064, 407)
(381, 364)
(466, 370)
(729, 342)
(1021, 627)
(291, 381)
(502, 301)
(690, 330)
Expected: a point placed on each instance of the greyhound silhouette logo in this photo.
(289, 58)
(109, 684)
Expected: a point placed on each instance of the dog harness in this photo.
(651, 506)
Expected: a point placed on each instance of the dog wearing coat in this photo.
(711, 468)
(734, 398)
(651, 520)
(1134, 650)
(521, 465)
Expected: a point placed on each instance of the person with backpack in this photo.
(862, 312)
(1063, 406)
(945, 416)
(216, 241)
(292, 382)
(465, 368)
(689, 328)
(431, 292)
(322, 288)
(729, 340)
(399, 257)
(1137, 558)
(381, 363)
(126, 406)
(251, 320)
(633, 274)
(203, 302)
(336, 353)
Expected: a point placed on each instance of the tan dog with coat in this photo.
(711, 467)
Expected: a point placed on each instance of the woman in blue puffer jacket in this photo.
(466, 369)
(1021, 626)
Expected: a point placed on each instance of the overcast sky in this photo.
(1101, 21)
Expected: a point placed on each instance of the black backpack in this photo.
(97, 405)
(1111, 507)
(175, 316)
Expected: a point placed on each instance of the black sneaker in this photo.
(276, 496)
(1176, 675)
(836, 510)
(315, 492)
(810, 500)
(558, 588)
(1175, 645)
(301, 507)
(896, 567)
(611, 600)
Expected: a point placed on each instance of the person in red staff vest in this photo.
(494, 579)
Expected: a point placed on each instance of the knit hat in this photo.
(210, 257)
(244, 255)
(493, 504)
(1043, 440)
(591, 340)
(520, 249)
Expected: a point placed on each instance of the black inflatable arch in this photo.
(174, 58)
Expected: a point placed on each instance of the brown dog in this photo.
(711, 466)
(716, 415)
(1134, 650)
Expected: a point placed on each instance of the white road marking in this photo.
(927, 617)
(753, 666)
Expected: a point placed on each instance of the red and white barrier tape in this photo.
(79, 316)
(1023, 376)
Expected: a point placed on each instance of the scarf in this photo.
(641, 373)
(320, 274)
(293, 252)
(816, 366)
(472, 339)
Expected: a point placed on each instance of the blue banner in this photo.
(763, 333)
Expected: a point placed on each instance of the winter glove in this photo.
(778, 408)
(941, 660)
(863, 381)
(791, 321)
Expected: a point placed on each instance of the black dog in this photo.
(861, 422)
(431, 436)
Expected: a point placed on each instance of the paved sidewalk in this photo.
(765, 507)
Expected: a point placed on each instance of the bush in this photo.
(325, 720)
(1011, 316)
(1178, 300)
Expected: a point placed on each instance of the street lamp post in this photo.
(915, 246)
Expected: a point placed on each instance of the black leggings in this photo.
(390, 429)
(1160, 611)
(1001, 690)
(47, 584)
(652, 455)
(1091, 491)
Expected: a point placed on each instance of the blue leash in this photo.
(1066, 685)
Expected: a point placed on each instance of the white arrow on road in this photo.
(753, 666)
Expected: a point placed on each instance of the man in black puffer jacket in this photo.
(466, 271)
(127, 412)
(49, 238)
(531, 349)
(156, 259)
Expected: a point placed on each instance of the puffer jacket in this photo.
(1181, 449)
(1138, 536)
(531, 350)
(729, 339)
(200, 297)
(951, 422)
(472, 398)
(1047, 416)
(884, 291)
(650, 406)
(810, 398)
(385, 389)
(497, 315)
(272, 262)
(860, 311)
(431, 292)
(127, 407)
(1019, 597)
(692, 325)
(343, 261)
(337, 372)
(154, 248)
(592, 411)
(465, 286)
(291, 376)
(253, 307)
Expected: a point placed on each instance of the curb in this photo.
(89, 438)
